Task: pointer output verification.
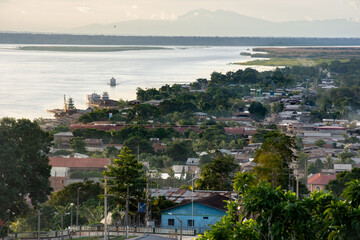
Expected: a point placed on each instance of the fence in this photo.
(96, 229)
(43, 235)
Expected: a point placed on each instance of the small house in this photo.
(62, 139)
(197, 215)
(319, 181)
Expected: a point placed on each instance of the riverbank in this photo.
(300, 56)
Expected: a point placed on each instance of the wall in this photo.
(184, 213)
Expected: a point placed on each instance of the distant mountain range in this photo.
(224, 23)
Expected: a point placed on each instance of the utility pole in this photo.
(105, 203)
(180, 224)
(192, 201)
(77, 206)
(127, 212)
(62, 226)
(71, 214)
(62, 222)
(147, 214)
(192, 197)
(38, 234)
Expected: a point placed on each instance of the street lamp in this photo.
(106, 186)
(38, 213)
(62, 223)
(180, 224)
(71, 213)
(192, 197)
(77, 206)
(127, 210)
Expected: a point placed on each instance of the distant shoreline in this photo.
(304, 56)
(69, 39)
(87, 49)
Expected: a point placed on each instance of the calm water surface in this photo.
(33, 81)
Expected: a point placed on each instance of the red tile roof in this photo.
(79, 162)
(332, 128)
(234, 130)
(108, 127)
(320, 179)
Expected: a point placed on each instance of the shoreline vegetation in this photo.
(300, 56)
(89, 49)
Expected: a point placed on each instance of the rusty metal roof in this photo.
(182, 196)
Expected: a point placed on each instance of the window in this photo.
(190, 223)
(205, 217)
(317, 188)
(171, 222)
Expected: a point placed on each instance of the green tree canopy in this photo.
(274, 158)
(179, 151)
(128, 172)
(257, 111)
(78, 145)
(25, 167)
(337, 186)
(137, 144)
(264, 212)
(319, 143)
(87, 191)
(218, 174)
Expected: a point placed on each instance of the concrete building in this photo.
(319, 181)
(333, 130)
(62, 139)
(58, 178)
(62, 168)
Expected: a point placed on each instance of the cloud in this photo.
(163, 16)
(131, 15)
(354, 4)
(21, 11)
(83, 9)
(308, 18)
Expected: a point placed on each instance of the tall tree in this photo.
(274, 158)
(257, 111)
(25, 167)
(127, 173)
(179, 151)
(218, 174)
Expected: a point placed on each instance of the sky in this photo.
(58, 15)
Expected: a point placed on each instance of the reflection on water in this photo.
(33, 81)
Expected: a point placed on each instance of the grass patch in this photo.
(87, 49)
(290, 62)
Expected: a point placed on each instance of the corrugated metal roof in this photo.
(180, 196)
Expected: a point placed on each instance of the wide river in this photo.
(33, 81)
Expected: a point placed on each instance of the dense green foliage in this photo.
(90, 209)
(274, 158)
(337, 186)
(78, 145)
(218, 174)
(127, 173)
(97, 115)
(257, 111)
(25, 168)
(88, 191)
(264, 212)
